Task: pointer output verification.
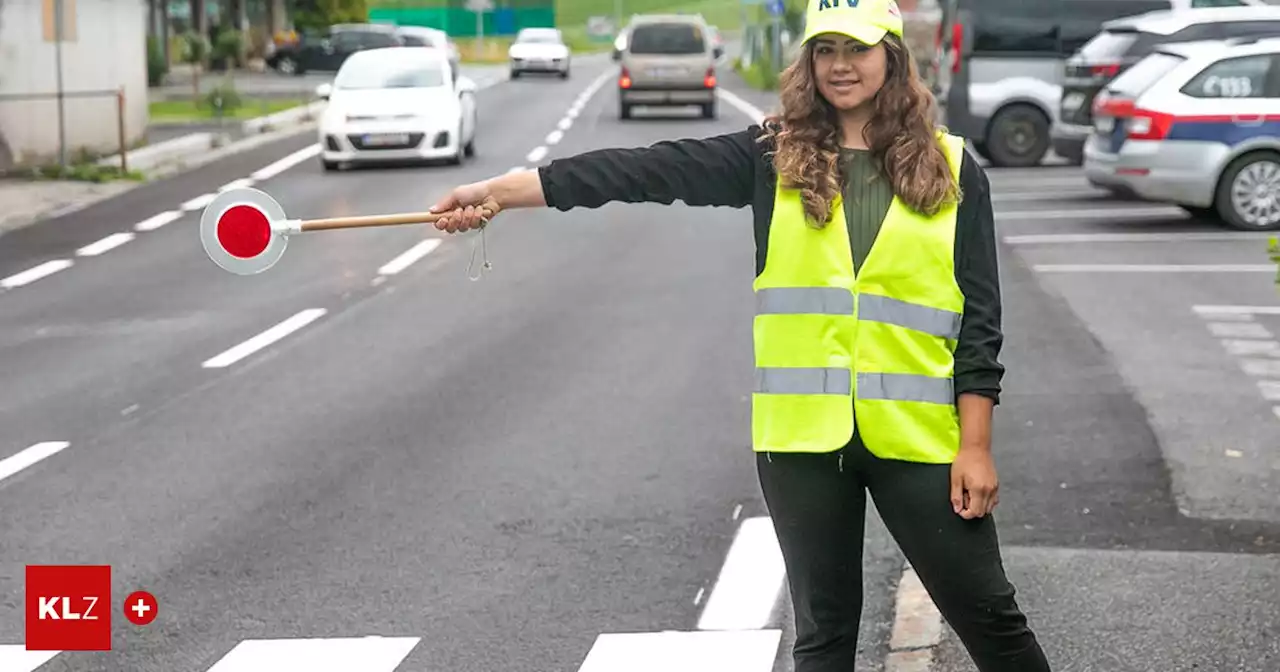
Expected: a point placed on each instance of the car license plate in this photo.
(383, 139)
(1072, 101)
(1104, 125)
(665, 72)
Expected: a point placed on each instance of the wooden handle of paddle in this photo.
(372, 220)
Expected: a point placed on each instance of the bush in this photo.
(226, 49)
(1274, 251)
(320, 14)
(224, 99)
(157, 68)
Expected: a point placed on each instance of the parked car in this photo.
(1123, 42)
(327, 51)
(423, 36)
(1195, 124)
(1001, 61)
(668, 60)
(539, 50)
(397, 104)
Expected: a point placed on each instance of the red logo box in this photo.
(68, 608)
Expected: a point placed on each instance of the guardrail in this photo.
(61, 97)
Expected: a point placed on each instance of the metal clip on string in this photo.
(480, 243)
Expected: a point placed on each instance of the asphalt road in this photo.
(549, 469)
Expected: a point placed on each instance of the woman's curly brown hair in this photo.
(901, 135)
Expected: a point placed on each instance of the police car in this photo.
(1198, 125)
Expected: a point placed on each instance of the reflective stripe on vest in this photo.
(831, 346)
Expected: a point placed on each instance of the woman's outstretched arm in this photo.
(714, 171)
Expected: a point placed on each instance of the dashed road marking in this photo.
(1217, 311)
(23, 459)
(750, 580)
(156, 221)
(104, 245)
(554, 137)
(1238, 330)
(1093, 213)
(1270, 389)
(264, 339)
(408, 257)
(1155, 268)
(35, 273)
(16, 658)
(236, 184)
(286, 163)
(1269, 368)
(198, 202)
(1242, 347)
(1065, 238)
(673, 651)
(538, 154)
(372, 654)
(565, 124)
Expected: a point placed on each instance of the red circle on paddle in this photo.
(244, 231)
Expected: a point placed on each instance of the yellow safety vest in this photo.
(880, 346)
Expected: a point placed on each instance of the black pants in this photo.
(818, 504)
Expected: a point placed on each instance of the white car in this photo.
(422, 36)
(397, 104)
(539, 50)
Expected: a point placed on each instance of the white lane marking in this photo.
(236, 184)
(1263, 368)
(554, 137)
(565, 124)
(917, 623)
(286, 163)
(697, 599)
(1016, 196)
(671, 651)
(1236, 310)
(1238, 330)
(750, 580)
(16, 658)
(1155, 268)
(537, 154)
(106, 244)
(1096, 213)
(264, 339)
(156, 221)
(1277, 410)
(1270, 389)
(25, 458)
(1056, 238)
(1241, 348)
(516, 169)
(198, 202)
(1232, 453)
(408, 257)
(369, 654)
(751, 111)
(573, 112)
(35, 273)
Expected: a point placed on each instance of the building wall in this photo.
(105, 49)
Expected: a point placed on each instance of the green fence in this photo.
(506, 18)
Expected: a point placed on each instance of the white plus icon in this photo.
(141, 608)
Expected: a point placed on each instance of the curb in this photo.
(917, 627)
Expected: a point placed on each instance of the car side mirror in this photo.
(324, 91)
(717, 51)
(617, 55)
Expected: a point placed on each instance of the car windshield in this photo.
(1143, 74)
(418, 40)
(667, 38)
(539, 37)
(388, 74)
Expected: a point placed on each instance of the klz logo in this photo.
(68, 608)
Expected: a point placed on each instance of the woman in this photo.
(903, 336)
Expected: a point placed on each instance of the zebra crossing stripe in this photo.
(674, 651)
(16, 658)
(367, 654)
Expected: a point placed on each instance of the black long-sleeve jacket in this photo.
(733, 170)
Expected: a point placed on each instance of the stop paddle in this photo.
(245, 231)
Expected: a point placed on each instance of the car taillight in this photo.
(624, 79)
(1148, 125)
(1117, 108)
(710, 80)
(957, 32)
(1105, 70)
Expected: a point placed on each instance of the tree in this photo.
(317, 14)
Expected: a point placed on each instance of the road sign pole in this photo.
(57, 57)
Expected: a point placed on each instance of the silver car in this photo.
(668, 60)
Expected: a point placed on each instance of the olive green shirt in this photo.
(867, 195)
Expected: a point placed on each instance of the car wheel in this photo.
(287, 66)
(709, 111)
(1248, 194)
(515, 74)
(1019, 137)
(624, 111)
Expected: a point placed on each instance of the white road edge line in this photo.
(1236, 310)
(742, 106)
(236, 184)
(1099, 213)
(35, 273)
(750, 581)
(286, 163)
(156, 221)
(105, 245)
(1052, 238)
(264, 339)
(1058, 195)
(917, 626)
(1155, 268)
(29, 456)
(408, 257)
